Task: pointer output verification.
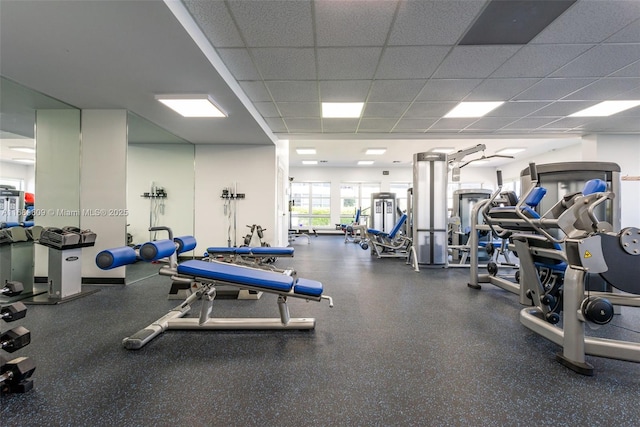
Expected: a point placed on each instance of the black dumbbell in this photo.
(15, 339)
(13, 312)
(11, 289)
(14, 375)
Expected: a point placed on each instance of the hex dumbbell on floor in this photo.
(13, 312)
(14, 339)
(15, 374)
(11, 289)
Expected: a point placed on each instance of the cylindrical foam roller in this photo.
(112, 258)
(153, 251)
(185, 243)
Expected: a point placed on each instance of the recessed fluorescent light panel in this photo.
(192, 105)
(365, 162)
(472, 109)
(443, 150)
(341, 110)
(309, 162)
(510, 151)
(306, 150)
(376, 151)
(606, 108)
(23, 149)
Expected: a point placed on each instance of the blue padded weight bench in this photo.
(203, 277)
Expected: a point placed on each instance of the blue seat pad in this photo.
(265, 250)
(308, 287)
(234, 274)
(221, 250)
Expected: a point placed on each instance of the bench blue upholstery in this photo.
(185, 243)
(158, 249)
(248, 251)
(117, 257)
(234, 274)
(394, 230)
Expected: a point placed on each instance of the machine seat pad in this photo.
(265, 250)
(221, 250)
(235, 274)
(308, 287)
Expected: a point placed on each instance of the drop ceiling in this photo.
(271, 63)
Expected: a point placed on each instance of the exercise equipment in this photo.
(12, 289)
(203, 277)
(460, 226)
(11, 205)
(570, 238)
(353, 232)
(15, 339)
(17, 258)
(391, 245)
(383, 211)
(64, 264)
(430, 208)
(13, 312)
(15, 375)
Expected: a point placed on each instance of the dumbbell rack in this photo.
(15, 374)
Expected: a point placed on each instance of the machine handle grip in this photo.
(163, 228)
(533, 171)
(499, 177)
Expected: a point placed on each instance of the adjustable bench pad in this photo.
(266, 280)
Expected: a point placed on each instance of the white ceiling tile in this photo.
(530, 123)
(413, 124)
(629, 34)
(490, 123)
(239, 63)
(267, 109)
(351, 23)
(429, 109)
(447, 89)
(255, 90)
(561, 108)
(376, 125)
(516, 109)
(276, 124)
(299, 109)
(474, 61)
(631, 70)
(285, 64)
(344, 90)
(600, 61)
(274, 23)
(539, 60)
(339, 125)
(384, 109)
(433, 22)
(499, 89)
(606, 88)
(303, 125)
(632, 94)
(395, 90)
(590, 22)
(455, 125)
(400, 62)
(613, 124)
(336, 63)
(215, 22)
(567, 123)
(294, 91)
(552, 89)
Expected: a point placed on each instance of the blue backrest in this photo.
(357, 220)
(594, 186)
(533, 199)
(398, 225)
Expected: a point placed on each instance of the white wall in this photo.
(170, 166)
(512, 170)
(26, 173)
(625, 151)
(249, 168)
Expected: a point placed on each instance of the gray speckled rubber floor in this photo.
(399, 348)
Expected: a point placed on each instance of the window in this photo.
(311, 206)
(353, 196)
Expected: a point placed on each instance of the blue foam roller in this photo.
(117, 257)
(185, 243)
(153, 251)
